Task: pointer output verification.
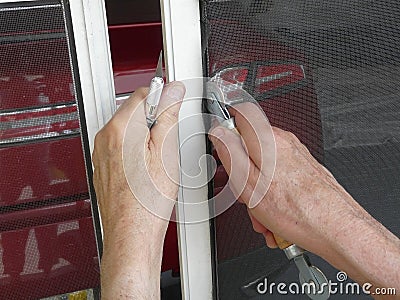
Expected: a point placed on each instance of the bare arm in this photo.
(136, 190)
(304, 203)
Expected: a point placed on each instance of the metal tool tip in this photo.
(159, 70)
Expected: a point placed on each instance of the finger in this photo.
(164, 134)
(259, 140)
(270, 240)
(134, 103)
(130, 118)
(257, 134)
(235, 160)
(168, 112)
(258, 227)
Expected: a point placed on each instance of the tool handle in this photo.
(230, 124)
(235, 131)
(156, 87)
(282, 243)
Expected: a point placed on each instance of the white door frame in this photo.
(182, 48)
(89, 22)
(94, 62)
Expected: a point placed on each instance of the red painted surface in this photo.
(170, 259)
(43, 170)
(30, 79)
(50, 259)
(134, 50)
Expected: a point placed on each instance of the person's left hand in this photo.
(136, 181)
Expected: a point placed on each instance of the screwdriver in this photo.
(153, 98)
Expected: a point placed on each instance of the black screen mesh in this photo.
(327, 71)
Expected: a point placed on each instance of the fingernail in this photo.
(176, 91)
(217, 132)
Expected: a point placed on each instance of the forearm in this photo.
(131, 262)
(368, 253)
(133, 274)
(135, 180)
(362, 247)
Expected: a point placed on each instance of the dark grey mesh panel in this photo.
(345, 107)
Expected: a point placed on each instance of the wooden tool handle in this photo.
(236, 131)
(282, 243)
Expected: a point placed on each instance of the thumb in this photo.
(167, 119)
(234, 157)
(164, 134)
(228, 146)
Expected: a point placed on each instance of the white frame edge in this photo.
(93, 55)
(89, 24)
(183, 56)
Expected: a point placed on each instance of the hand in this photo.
(297, 199)
(304, 203)
(134, 166)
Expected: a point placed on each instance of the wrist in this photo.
(131, 221)
(131, 273)
(131, 262)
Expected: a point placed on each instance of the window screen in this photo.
(327, 71)
(47, 240)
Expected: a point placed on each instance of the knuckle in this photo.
(141, 92)
(279, 135)
(109, 137)
(285, 139)
(291, 136)
(98, 139)
(168, 118)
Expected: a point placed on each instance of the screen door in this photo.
(329, 72)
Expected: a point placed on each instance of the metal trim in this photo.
(36, 109)
(40, 2)
(13, 1)
(37, 121)
(39, 137)
(39, 6)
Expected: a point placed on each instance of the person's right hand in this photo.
(299, 200)
(303, 196)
